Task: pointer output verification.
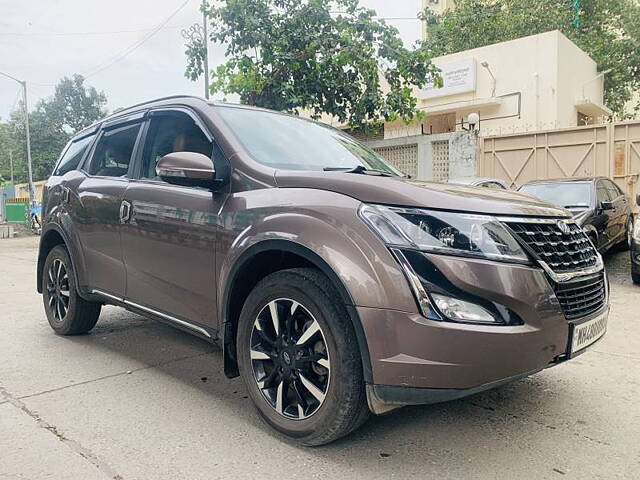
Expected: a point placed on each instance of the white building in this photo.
(532, 83)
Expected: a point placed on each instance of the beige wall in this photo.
(545, 72)
(22, 190)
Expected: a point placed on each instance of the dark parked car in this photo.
(598, 205)
(335, 286)
(635, 248)
(495, 183)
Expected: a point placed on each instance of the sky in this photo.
(111, 43)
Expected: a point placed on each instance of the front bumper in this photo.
(417, 360)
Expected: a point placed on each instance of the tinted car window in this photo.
(569, 194)
(614, 190)
(112, 155)
(73, 155)
(175, 132)
(602, 192)
(494, 185)
(286, 142)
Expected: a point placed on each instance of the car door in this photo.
(619, 214)
(602, 218)
(169, 238)
(105, 177)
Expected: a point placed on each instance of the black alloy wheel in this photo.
(289, 358)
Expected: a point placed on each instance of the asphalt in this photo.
(136, 399)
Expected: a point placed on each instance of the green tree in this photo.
(608, 30)
(52, 123)
(324, 56)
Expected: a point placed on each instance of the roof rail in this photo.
(126, 109)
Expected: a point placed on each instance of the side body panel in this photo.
(169, 249)
(95, 211)
(325, 223)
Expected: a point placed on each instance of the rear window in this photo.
(73, 155)
(113, 151)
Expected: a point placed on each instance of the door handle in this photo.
(125, 211)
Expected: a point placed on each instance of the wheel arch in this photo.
(48, 241)
(256, 263)
(592, 233)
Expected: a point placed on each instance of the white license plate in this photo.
(584, 334)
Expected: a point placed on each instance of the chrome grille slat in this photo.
(582, 297)
(563, 253)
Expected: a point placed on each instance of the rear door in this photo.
(169, 238)
(97, 211)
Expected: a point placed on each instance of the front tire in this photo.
(67, 312)
(299, 357)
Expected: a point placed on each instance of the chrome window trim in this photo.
(170, 318)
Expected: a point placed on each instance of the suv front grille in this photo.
(582, 297)
(562, 252)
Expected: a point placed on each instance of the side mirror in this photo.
(638, 199)
(188, 169)
(606, 206)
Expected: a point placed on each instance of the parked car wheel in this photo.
(299, 357)
(636, 278)
(67, 312)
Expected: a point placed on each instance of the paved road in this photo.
(139, 400)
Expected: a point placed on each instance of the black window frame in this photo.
(92, 133)
(218, 158)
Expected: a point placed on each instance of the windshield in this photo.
(570, 194)
(286, 142)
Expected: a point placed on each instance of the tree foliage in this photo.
(52, 123)
(608, 30)
(324, 56)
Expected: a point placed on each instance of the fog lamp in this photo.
(461, 311)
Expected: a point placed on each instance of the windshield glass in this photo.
(570, 194)
(286, 142)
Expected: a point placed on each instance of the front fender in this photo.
(324, 223)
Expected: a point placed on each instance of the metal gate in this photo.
(611, 150)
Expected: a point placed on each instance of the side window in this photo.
(112, 154)
(173, 132)
(614, 191)
(73, 155)
(602, 192)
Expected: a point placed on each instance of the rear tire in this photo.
(67, 312)
(304, 300)
(636, 278)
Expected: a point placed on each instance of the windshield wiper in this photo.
(361, 169)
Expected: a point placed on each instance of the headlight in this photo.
(636, 229)
(443, 232)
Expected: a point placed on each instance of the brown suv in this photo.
(335, 285)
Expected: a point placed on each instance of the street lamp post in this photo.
(25, 106)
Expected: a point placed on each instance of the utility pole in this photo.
(26, 128)
(11, 165)
(205, 42)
